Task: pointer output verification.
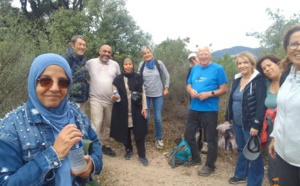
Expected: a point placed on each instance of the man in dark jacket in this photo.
(75, 56)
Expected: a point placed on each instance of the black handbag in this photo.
(136, 98)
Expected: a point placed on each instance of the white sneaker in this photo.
(159, 144)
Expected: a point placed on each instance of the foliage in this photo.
(113, 25)
(229, 65)
(272, 39)
(174, 54)
(60, 31)
(41, 8)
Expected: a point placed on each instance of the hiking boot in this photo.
(128, 154)
(235, 180)
(206, 171)
(159, 144)
(204, 148)
(108, 151)
(144, 161)
(192, 163)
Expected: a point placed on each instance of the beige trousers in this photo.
(101, 119)
(83, 106)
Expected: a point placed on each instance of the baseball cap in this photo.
(252, 148)
(192, 55)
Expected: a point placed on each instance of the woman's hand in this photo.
(144, 113)
(166, 91)
(66, 139)
(253, 132)
(115, 97)
(87, 171)
(272, 149)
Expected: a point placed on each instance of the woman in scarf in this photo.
(36, 138)
(128, 114)
(153, 72)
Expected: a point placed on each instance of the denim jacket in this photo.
(27, 155)
(80, 87)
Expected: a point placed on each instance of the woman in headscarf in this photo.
(36, 138)
(128, 114)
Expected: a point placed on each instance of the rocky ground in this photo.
(120, 172)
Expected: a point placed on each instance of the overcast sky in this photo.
(224, 23)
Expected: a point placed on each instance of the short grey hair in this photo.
(144, 48)
(204, 47)
(75, 37)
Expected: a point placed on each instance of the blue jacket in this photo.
(253, 102)
(80, 87)
(27, 155)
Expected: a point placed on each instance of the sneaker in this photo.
(235, 180)
(159, 144)
(204, 148)
(191, 163)
(144, 161)
(108, 151)
(128, 154)
(206, 171)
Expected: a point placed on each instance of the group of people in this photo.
(39, 135)
(262, 103)
(100, 77)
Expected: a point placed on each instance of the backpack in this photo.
(180, 154)
(157, 66)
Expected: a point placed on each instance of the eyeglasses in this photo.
(47, 82)
(294, 45)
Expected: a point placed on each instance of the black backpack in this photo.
(157, 66)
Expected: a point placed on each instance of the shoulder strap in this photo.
(158, 68)
(283, 77)
(142, 69)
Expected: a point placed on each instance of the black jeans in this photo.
(208, 121)
(140, 145)
(289, 175)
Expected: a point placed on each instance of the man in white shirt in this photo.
(102, 72)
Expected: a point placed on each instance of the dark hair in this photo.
(74, 38)
(285, 63)
(271, 57)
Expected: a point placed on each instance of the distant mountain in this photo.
(235, 50)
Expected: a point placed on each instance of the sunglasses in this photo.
(47, 82)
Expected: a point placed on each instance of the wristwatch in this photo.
(213, 93)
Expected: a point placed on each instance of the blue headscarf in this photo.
(57, 117)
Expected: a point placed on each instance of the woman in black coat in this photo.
(128, 115)
(246, 110)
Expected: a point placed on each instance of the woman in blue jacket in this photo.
(36, 138)
(246, 109)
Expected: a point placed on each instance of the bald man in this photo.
(102, 72)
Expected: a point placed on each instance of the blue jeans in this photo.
(252, 170)
(157, 107)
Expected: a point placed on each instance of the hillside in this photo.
(235, 50)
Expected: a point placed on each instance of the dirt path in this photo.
(120, 172)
